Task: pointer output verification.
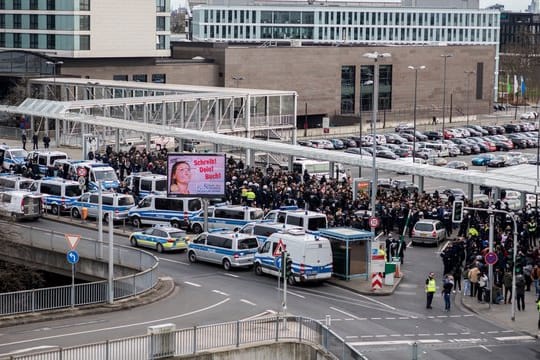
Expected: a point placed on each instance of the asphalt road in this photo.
(380, 327)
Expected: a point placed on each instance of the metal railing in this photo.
(145, 266)
(214, 337)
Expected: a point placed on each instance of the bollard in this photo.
(415, 351)
(84, 213)
(328, 320)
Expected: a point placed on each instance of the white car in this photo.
(531, 115)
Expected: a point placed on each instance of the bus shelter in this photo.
(351, 249)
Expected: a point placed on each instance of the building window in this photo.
(16, 4)
(34, 4)
(479, 80)
(366, 87)
(159, 78)
(34, 41)
(2, 39)
(84, 22)
(84, 5)
(34, 22)
(348, 76)
(16, 40)
(2, 21)
(51, 41)
(385, 87)
(140, 78)
(51, 22)
(160, 23)
(51, 4)
(120, 77)
(160, 6)
(2, 4)
(160, 42)
(84, 42)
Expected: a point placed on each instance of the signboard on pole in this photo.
(491, 258)
(280, 248)
(72, 257)
(72, 240)
(199, 175)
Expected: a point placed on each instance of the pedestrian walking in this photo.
(448, 285)
(23, 138)
(520, 292)
(35, 140)
(431, 288)
(46, 141)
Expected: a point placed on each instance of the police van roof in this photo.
(59, 179)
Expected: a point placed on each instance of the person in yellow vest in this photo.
(250, 197)
(431, 288)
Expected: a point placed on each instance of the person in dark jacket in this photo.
(35, 140)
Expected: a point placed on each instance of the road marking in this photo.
(396, 335)
(369, 299)
(206, 308)
(492, 332)
(406, 293)
(192, 284)
(351, 337)
(220, 292)
(390, 318)
(394, 342)
(510, 338)
(231, 275)
(438, 334)
(468, 340)
(175, 261)
(380, 336)
(344, 313)
(410, 286)
(423, 334)
(376, 318)
(485, 348)
(248, 302)
(403, 318)
(451, 334)
(295, 294)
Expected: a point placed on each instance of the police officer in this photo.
(531, 230)
(431, 287)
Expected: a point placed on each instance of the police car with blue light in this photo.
(161, 238)
(223, 247)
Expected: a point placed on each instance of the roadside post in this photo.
(72, 257)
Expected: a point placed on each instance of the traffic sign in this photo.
(376, 281)
(72, 240)
(81, 171)
(72, 257)
(373, 222)
(82, 180)
(491, 258)
(280, 248)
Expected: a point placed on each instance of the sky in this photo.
(513, 5)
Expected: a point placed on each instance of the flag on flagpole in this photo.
(523, 88)
(516, 85)
(508, 85)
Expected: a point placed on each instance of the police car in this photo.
(161, 238)
(59, 194)
(118, 204)
(10, 158)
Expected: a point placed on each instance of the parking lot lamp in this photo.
(375, 56)
(468, 74)
(445, 57)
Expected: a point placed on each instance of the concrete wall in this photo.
(281, 350)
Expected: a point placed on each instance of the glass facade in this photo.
(348, 76)
(366, 87)
(346, 24)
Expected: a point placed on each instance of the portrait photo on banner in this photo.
(196, 175)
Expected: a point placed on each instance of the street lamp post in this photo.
(362, 84)
(468, 74)
(54, 65)
(445, 56)
(415, 68)
(375, 56)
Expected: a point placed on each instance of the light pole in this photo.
(375, 56)
(236, 79)
(445, 57)
(54, 64)
(468, 74)
(362, 84)
(415, 68)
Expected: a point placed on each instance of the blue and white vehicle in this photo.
(226, 248)
(119, 204)
(160, 209)
(292, 215)
(263, 230)
(311, 256)
(44, 159)
(15, 182)
(12, 157)
(145, 183)
(96, 172)
(59, 194)
(231, 217)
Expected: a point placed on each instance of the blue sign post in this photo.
(72, 258)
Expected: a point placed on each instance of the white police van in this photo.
(145, 183)
(231, 217)
(119, 204)
(10, 157)
(262, 230)
(160, 209)
(311, 256)
(226, 248)
(44, 159)
(20, 205)
(14, 182)
(96, 172)
(292, 215)
(59, 194)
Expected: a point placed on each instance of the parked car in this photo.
(387, 154)
(456, 164)
(337, 143)
(436, 161)
(456, 192)
(323, 144)
(530, 115)
(433, 135)
(404, 126)
(498, 161)
(482, 160)
(161, 238)
(512, 128)
(395, 139)
(349, 142)
(478, 128)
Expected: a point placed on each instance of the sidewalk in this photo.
(525, 321)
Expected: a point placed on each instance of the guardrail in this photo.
(164, 341)
(84, 294)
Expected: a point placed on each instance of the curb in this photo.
(345, 285)
(164, 288)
